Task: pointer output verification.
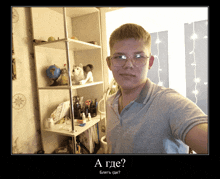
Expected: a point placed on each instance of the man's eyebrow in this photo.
(119, 53)
(139, 52)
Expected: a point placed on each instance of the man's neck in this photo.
(129, 95)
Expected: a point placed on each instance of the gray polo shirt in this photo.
(157, 121)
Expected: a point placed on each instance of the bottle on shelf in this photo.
(94, 108)
(89, 117)
(83, 118)
(77, 108)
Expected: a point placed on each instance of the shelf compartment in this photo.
(72, 87)
(78, 129)
(75, 45)
(75, 11)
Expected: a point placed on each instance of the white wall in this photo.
(26, 136)
(25, 118)
(162, 19)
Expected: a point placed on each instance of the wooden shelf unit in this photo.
(63, 23)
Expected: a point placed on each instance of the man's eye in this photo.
(120, 57)
(138, 56)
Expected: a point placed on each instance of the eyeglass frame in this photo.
(125, 60)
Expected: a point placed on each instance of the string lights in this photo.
(160, 83)
(196, 79)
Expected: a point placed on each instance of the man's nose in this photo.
(129, 63)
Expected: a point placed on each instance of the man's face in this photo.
(130, 76)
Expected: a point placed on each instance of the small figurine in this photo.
(64, 76)
(93, 42)
(74, 38)
(51, 39)
(82, 74)
(88, 73)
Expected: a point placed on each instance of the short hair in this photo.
(130, 30)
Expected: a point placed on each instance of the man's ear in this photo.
(108, 60)
(151, 61)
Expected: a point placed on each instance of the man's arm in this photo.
(197, 138)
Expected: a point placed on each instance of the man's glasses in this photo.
(137, 60)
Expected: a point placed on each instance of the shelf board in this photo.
(78, 129)
(57, 44)
(86, 85)
(75, 11)
(75, 45)
(72, 87)
(78, 45)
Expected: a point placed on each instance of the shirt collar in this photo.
(142, 98)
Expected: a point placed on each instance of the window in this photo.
(196, 53)
(159, 73)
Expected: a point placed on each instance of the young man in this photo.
(143, 117)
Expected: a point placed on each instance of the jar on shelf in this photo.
(50, 123)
